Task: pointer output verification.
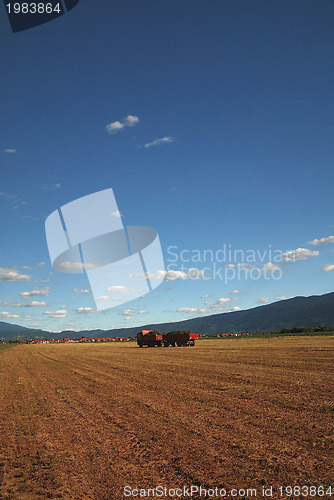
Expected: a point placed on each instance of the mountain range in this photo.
(309, 312)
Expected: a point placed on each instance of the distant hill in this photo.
(10, 331)
(308, 312)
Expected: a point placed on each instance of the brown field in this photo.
(81, 421)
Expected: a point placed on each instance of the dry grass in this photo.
(81, 421)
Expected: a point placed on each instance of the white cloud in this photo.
(158, 142)
(328, 267)
(81, 292)
(263, 300)
(322, 241)
(102, 298)
(118, 289)
(116, 214)
(6, 195)
(132, 312)
(40, 292)
(282, 297)
(35, 303)
(187, 309)
(9, 150)
(9, 315)
(299, 254)
(172, 275)
(22, 304)
(218, 304)
(56, 314)
(129, 121)
(269, 266)
(51, 187)
(205, 296)
(41, 264)
(236, 291)
(11, 274)
(75, 266)
(114, 127)
(86, 310)
(236, 308)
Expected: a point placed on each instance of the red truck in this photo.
(153, 338)
(181, 339)
(150, 338)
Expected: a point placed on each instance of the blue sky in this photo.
(234, 102)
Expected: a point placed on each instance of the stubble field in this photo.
(82, 421)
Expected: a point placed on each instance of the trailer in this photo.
(151, 338)
(181, 339)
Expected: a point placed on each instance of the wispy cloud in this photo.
(129, 121)
(118, 289)
(9, 150)
(8, 315)
(322, 241)
(56, 314)
(116, 214)
(51, 187)
(219, 304)
(172, 275)
(35, 303)
(190, 310)
(81, 292)
(75, 266)
(211, 306)
(6, 195)
(132, 312)
(159, 142)
(263, 300)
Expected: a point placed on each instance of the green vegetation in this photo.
(283, 332)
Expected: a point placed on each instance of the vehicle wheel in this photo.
(140, 345)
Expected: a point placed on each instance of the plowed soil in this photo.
(82, 421)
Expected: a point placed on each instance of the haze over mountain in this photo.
(298, 311)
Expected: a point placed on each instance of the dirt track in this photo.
(81, 421)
